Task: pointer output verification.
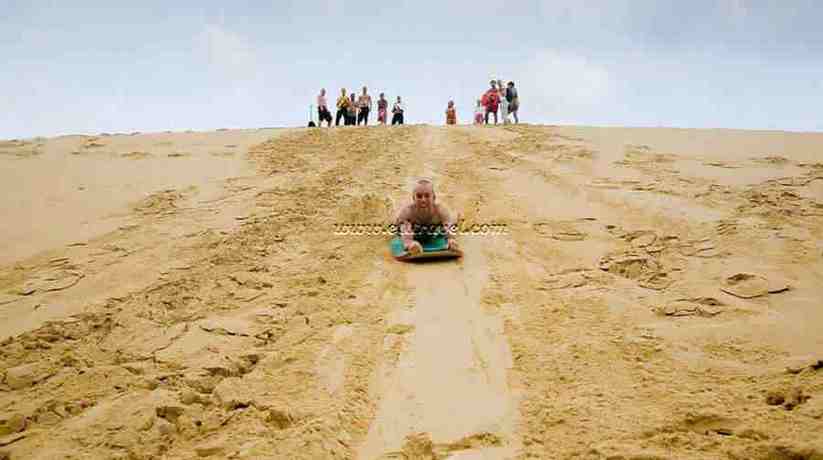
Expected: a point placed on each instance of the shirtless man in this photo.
(422, 215)
(364, 104)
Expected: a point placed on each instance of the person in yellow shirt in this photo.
(342, 107)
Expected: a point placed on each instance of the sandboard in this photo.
(433, 248)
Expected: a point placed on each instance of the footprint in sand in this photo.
(630, 265)
(658, 281)
(704, 248)
(749, 285)
(642, 156)
(640, 238)
(726, 227)
(566, 279)
(159, 202)
(574, 153)
(709, 424)
(643, 268)
(720, 164)
(788, 398)
(771, 160)
(612, 184)
(7, 298)
(561, 230)
(136, 155)
(52, 279)
(698, 306)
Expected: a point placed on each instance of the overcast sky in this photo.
(92, 66)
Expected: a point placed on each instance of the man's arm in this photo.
(449, 222)
(404, 223)
(406, 232)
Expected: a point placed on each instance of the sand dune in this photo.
(656, 295)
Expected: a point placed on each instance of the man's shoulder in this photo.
(442, 211)
(406, 212)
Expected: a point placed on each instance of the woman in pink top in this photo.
(382, 108)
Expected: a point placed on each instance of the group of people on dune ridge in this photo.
(498, 97)
(355, 110)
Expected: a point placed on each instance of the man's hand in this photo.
(413, 247)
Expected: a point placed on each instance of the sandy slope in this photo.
(656, 295)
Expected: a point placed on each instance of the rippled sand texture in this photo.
(656, 295)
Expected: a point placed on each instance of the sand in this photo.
(647, 294)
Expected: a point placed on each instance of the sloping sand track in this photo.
(644, 294)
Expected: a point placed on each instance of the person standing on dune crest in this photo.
(364, 104)
(504, 103)
(478, 113)
(342, 108)
(352, 112)
(451, 114)
(514, 101)
(323, 113)
(491, 99)
(397, 112)
(382, 109)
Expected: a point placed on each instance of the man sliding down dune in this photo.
(423, 217)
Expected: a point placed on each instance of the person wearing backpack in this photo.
(514, 101)
(491, 99)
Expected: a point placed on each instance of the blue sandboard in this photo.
(435, 247)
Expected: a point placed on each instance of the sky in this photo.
(87, 67)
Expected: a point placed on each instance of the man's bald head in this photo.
(423, 184)
(423, 194)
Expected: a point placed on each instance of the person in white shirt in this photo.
(504, 103)
(323, 113)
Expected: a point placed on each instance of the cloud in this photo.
(563, 84)
(230, 54)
